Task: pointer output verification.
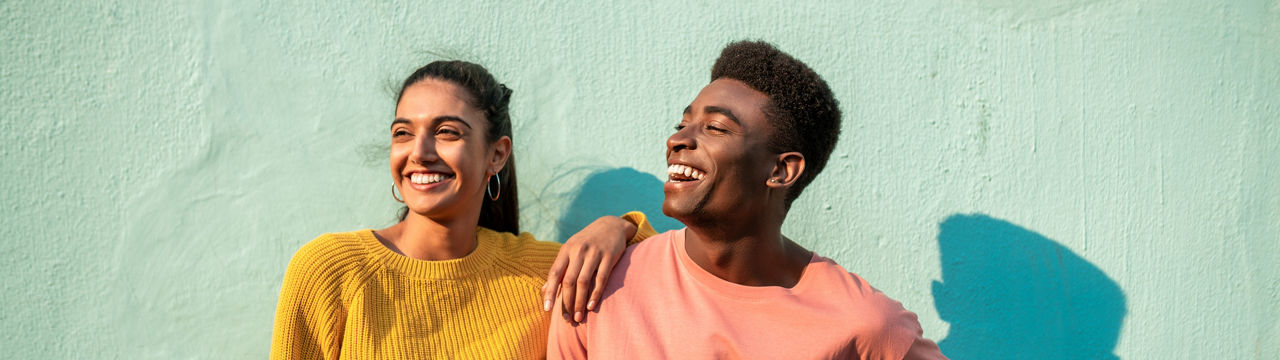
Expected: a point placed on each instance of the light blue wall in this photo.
(1036, 179)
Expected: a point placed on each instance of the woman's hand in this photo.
(584, 264)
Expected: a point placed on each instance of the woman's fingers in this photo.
(603, 271)
(591, 255)
(554, 277)
(569, 283)
(586, 278)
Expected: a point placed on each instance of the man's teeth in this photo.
(684, 171)
(423, 179)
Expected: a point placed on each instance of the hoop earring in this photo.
(488, 189)
(393, 194)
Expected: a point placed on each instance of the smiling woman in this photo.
(451, 279)
(451, 106)
(443, 153)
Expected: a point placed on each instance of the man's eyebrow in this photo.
(722, 111)
(437, 120)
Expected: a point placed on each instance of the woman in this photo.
(450, 280)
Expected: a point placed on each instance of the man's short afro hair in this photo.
(804, 113)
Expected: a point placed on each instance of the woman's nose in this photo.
(424, 150)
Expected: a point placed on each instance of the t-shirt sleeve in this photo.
(923, 349)
(891, 332)
(309, 314)
(904, 338)
(566, 340)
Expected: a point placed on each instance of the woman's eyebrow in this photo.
(436, 120)
(440, 119)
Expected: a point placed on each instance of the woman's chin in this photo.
(428, 209)
(437, 208)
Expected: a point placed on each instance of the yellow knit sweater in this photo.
(346, 296)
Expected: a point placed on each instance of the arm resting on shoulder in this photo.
(586, 261)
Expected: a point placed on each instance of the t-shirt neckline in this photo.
(728, 288)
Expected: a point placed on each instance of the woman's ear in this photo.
(501, 152)
(787, 169)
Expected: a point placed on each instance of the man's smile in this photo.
(683, 173)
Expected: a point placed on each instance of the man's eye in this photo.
(679, 127)
(399, 133)
(713, 128)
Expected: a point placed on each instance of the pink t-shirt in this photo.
(659, 304)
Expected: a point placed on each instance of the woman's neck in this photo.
(422, 238)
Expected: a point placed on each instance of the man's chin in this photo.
(686, 212)
(671, 210)
(677, 209)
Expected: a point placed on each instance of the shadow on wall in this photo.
(1010, 293)
(615, 192)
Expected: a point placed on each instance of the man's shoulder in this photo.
(654, 246)
(856, 295)
(878, 323)
(643, 263)
(832, 275)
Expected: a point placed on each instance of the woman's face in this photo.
(441, 159)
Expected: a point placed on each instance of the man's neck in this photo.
(751, 253)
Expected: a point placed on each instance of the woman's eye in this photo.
(679, 127)
(448, 133)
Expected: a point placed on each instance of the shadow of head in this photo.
(615, 192)
(1010, 293)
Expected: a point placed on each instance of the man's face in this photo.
(718, 161)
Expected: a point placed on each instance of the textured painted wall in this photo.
(1036, 179)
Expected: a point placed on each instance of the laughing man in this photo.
(730, 285)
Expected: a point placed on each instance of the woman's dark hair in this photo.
(491, 97)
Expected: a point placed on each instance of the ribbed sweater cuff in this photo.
(644, 229)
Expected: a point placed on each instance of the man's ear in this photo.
(787, 170)
(501, 152)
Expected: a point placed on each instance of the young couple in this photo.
(452, 280)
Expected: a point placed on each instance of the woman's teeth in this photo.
(423, 179)
(683, 172)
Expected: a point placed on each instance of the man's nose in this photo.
(682, 140)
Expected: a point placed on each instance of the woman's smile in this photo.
(422, 181)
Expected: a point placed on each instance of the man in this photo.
(730, 285)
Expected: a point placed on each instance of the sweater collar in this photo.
(479, 259)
